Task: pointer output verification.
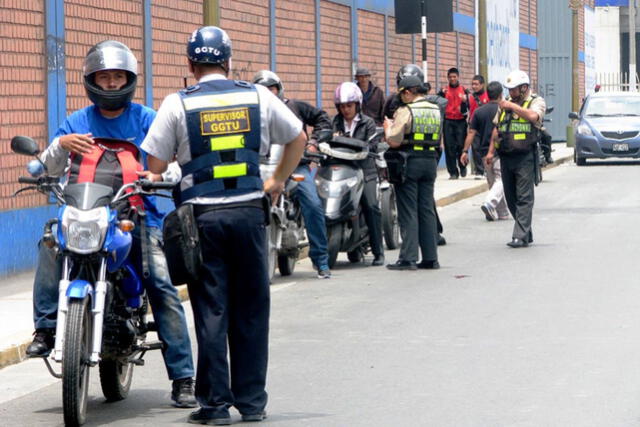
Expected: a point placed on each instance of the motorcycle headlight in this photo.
(327, 189)
(584, 129)
(84, 231)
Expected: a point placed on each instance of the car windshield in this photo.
(614, 106)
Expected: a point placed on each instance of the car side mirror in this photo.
(573, 115)
(24, 145)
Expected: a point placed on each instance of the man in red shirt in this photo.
(455, 123)
(478, 97)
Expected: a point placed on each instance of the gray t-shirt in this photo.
(168, 137)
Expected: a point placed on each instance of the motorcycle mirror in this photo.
(325, 135)
(573, 115)
(24, 145)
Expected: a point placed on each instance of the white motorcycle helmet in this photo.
(348, 92)
(517, 78)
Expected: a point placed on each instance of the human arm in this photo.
(394, 130)
(526, 113)
(471, 134)
(315, 117)
(290, 158)
(488, 160)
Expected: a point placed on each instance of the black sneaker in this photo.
(182, 393)
(441, 240)
(247, 418)
(378, 260)
(324, 273)
(201, 417)
(402, 265)
(42, 344)
(429, 265)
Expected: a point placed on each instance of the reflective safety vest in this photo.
(425, 125)
(516, 135)
(112, 163)
(223, 122)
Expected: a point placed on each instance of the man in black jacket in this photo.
(307, 194)
(352, 123)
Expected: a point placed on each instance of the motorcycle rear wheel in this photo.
(334, 237)
(75, 361)
(115, 379)
(272, 249)
(390, 225)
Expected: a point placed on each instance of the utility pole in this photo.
(575, 85)
(632, 46)
(423, 10)
(211, 15)
(482, 45)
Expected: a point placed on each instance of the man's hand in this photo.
(273, 187)
(77, 143)
(464, 158)
(488, 160)
(505, 105)
(153, 177)
(387, 123)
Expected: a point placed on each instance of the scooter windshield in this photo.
(87, 195)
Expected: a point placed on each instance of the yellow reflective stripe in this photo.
(432, 148)
(227, 142)
(418, 148)
(520, 136)
(221, 100)
(418, 136)
(435, 137)
(230, 171)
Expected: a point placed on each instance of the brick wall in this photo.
(371, 45)
(399, 51)
(172, 22)
(335, 37)
(22, 67)
(249, 33)
(296, 48)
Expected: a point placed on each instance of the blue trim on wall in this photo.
(384, 7)
(272, 35)
(528, 41)
(580, 56)
(56, 74)
(21, 230)
(354, 34)
(318, 57)
(464, 23)
(600, 3)
(148, 54)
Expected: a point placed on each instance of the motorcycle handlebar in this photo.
(27, 180)
(147, 185)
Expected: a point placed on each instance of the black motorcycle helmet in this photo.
(268, 78)
(409, 70)
(110, 55)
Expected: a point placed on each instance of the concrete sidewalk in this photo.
(16, 323)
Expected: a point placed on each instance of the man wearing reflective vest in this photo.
(110, 76)
(217, 130)
(414, 135)
(518, 122)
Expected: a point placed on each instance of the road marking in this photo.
(281, 286)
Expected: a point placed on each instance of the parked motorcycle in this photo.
(102, 303)
(285, 234)
(543, 147)
(340, 183)
(387, 198)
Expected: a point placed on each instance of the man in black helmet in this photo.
(414, 135)
(217, 130)
(110, 75)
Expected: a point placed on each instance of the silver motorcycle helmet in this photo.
(110, 55)
(268, 78)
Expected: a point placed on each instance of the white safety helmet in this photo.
(516, 78)
(348, 92)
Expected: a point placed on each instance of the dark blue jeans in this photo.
(167, 309)
(313, 215)
(231, 311)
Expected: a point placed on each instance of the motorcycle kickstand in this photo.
(50, 368)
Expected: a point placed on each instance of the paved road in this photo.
(548, 335)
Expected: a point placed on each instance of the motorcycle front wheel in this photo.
(390, 225)
(75, 361)
(334, 239)
(272, 249)
(286, 264)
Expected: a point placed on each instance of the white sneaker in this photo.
(489, 212)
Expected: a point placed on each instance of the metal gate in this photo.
(554, 62)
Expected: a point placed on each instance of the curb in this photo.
(17, 353)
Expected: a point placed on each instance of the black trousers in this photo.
(416, 209)
(231, 304)
(518, 175)
(455, 131)
(477, 155)
(373, 216)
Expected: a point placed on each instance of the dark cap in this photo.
(361, 71)
(408, 82)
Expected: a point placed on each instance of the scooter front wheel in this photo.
(334, 239)
(75, 361)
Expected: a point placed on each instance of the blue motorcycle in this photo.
(102, 305)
